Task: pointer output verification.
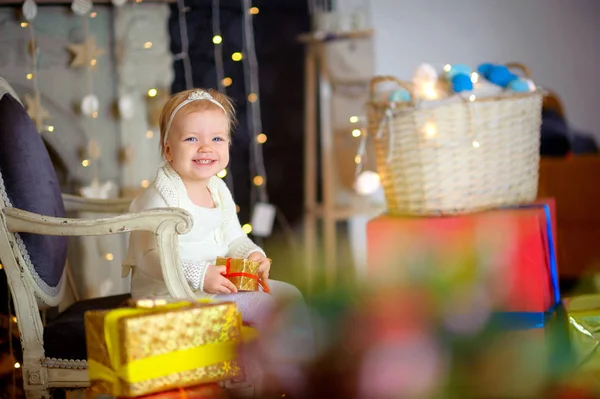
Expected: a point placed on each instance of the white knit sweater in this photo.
(216, 232)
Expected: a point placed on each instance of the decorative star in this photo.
(36, 111)
(84, 53)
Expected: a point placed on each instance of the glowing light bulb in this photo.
(356, 133)
(367, 183)
(109, 256)
(258, 180)
(447, 67)
(93, 14)
(145, 183)
(222, 173)
(148, 45)
(152, 92)
(261, 138)
(357, 159)
(95, 114)
(24, 24)
(254, 10)
(149, 134)
(472, 97)
(430, 130)
(17, 365)
(14, 319)
(1, 267)
(247, 228)
(237, 56)
(252, 97)
(29, 76)
(217, 39)
(85, 163)
(476, 144)
(50, 128)
(474, 77)
(353, 119)
(93, 62)
(227, 82)
(429, 90)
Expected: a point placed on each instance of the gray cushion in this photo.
(30, 183)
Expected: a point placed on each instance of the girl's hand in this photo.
(265, 265)
(215, 281)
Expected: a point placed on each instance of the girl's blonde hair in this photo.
(195, 106)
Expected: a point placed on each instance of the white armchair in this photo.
(33, 252)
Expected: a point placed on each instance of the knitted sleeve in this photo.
(240, 245)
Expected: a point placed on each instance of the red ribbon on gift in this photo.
(228, 274)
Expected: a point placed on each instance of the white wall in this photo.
(559, 40)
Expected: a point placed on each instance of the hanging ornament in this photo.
(81, 7)
(29, 10)
(36, 111)
(90, 105)
(119, 3)
(125, 155)
(126, 106)
(93, 149)
(85, 53)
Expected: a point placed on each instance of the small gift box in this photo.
(243, 273)
(142, 350)
(206, 391)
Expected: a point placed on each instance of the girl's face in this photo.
(198, 145)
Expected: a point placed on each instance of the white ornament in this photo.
(530, 84)
(119, 3)
(29, 10)
(99, 190)
(126, 106)
(81, 7)
(90, 104)
(425, 72)
(367, 183)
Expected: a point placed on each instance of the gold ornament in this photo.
(36, 111)
(85, 54)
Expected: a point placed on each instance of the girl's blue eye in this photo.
(219, 139)
(191, 139)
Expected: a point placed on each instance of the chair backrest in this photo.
(28, 181)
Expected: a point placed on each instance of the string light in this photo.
(145, 183)
(1, 267)
(148, 45)
(85, 163)
(430, 130)
(93, 14)
(247, 228)
(254, 10)
(222, 173)
(109, 256)
(17, 365)
(24, 24)
(227, 82)
(447, 67)
(93, 62)
(217, 39)
(95, 114)
(152, 92)
(472, 97)
(353, 119)
(357, 159)
(258, 180)
(14, 319)
(29, 76)
(50, 128)
(237, 56)
(261, 138)
(474, 77)
(356, 133)
(252, 97)
(476, 144)
(149, 134)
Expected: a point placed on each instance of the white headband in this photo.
(194, 96)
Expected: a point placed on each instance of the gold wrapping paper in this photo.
(138, 351)
(584, 326)
(243, 273)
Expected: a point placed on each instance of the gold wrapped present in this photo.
(584, 325)
(141, 350)
(243, 273)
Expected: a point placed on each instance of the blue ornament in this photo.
(501, 75)
(458, 69)
(519, 86)
(484, 69)
(461, 82)
(400, 95)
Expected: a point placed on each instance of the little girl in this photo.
(195, 127)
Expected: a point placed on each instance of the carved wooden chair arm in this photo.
(165, 223)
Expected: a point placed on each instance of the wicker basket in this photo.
(457, 157)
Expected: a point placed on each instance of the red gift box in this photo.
(508, 249)
(206, 391)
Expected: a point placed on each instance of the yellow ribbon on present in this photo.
(160, 365)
